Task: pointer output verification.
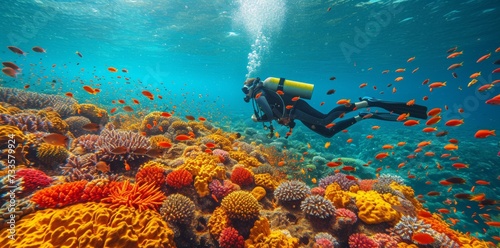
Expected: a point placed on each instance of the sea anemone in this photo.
(293, 190)
(317, 206)
(110, 139)
(141, 197)
(178, 209)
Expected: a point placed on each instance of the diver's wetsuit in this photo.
(273, 107)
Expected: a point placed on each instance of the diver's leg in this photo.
(415, 110)
(304, 112)
(330, 132)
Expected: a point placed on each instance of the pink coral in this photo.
(219, 190)
(179, 178)
(385, 240)
(323, 243)
(367, 184)
(33, 179)
(318, 191)
(221, 154)
(242, 176)
(345, 216)
(230, 238)
(360, 240)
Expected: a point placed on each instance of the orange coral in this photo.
(262, 236)
(218, 221)
(151, 174)
(243, 158)
(59, 195)
(141, 197)
(204, 167)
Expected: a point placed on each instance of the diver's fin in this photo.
(415, 111)
(384, 116)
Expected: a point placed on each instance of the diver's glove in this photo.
(254, 118)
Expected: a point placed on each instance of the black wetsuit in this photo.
(273, 107)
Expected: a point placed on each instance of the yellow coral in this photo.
(261, 236)
(204, 167)
(408, 192)
(221, 140)
(58, 124)
(4, 110)
(90, 225)
(218, 221)
(159, 127)
(337, 196)
(406, 245)
(266, 180)
(153, 140)
(180, 127)
(8, 132)
(259, 193)
(92, 112)
(243, 158)
(153, 163)
(241, 205)
(52, 154)
(375, 208)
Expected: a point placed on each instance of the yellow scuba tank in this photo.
(293, 88)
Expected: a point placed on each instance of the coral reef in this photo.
(345, 216)
(205, 168)
(261, 235)
(266, 180)
(9, 132)
(151, 174)
(58, 124)
(91, 225)
(375, 208)
(220, 190)
(75, 125)
(218, 222)
(292, 191)
(126, 142)
(360, 240)
(242, 176)
(340, 179)
(230, 238)
(52, 155)
(178, 209)
(27, 122)
(31, 100)
(93, 113)
(241, 205)
(60, 195)
(33, 179)
(317, 206)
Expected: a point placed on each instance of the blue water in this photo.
(196, 54)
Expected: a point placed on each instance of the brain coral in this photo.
(141, 197)
(179, 178)
(151, 174)
(230, 238)
(242, 176)
(293, 190)
(205, 168)
(317, 206)
(266, 181)
(33, 179)
(90, 225)
(52, 154)
(243, 158)
(337, 196)
(375, 208)
(178, 209)
(241, 205)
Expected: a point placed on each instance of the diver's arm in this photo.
(264, 106)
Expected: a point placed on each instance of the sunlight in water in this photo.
(262, 20)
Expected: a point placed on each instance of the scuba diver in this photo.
(281, 100)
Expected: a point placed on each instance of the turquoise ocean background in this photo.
(196, 54)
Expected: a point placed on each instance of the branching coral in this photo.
(141, 197)
(126, 142)
(90, 225)
(58, 124)
(9, 132)
(80, 168)
(27, 122)
(60, 195)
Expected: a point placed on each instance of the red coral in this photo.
(318, 191)
(360, 240)
(345, 216)
(242, 176)
(179, 178)
(60, 195)
(230, 238)
(151, 174)
(367, 184)
(141, 197)
(97, 190)
(33, 179)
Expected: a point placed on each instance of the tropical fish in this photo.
(190, 117)
(182, 137)
(102, 167)
(455, 66)
(483, 58)
(56, 139)
(119, 150)
(112, 69)
(329, 92)
(454, 122)
(454, 55)
(410, 59)
(16, 50)
(481, 134)
(422, 238)
(11, 65)
(92, 127)
(411, 122)
(128, 108)
(79, 54)
(9, 72)
(38, 49)
(164, 144)
(381, 155)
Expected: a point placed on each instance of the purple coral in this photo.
(219, 190)
(86, 141)
(317, 206)
(27, 122)
(345, 216)
(222, 153)
(80, 168)
(293, 190)
(340, 179)
(127, 142)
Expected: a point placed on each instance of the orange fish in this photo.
(69, 94)
(429, 129)
(434, 112)
(410, 59)
(112, 69)
(344, 102)
(363, 85)
(401, 70)
(327, 144)
(382, 155)
(433, 120)
(89, 89)
(147, 94)
(210, 145)
(9, 72)
(163, 144)
(128, 108)
(190, 117)
(56, 139)
(424, 143)
(454, 55)
(349, 141)
(398, 79)
(280, 92)
(135, 101)
(127, 166)
(402, 143)
(387, 147)
(422, 238)
(481, 134)
(415, 70)
(16, 50)
(394, 90)
(182, 137)
(281, 163)
(121, 101)
(454, 122)
(485, 87)
(482, 182)
(475, 75)
(296, 98)
(334, 164)
(436, 85)
(102, 167)
(113, 110)
(369, 136)
(348, 168)
(289, 107)
(425, 81)
(455, 66)
(330, 125)
(375, 127)
(425, 98)
(460, 165)
(166, 114)
(410, 102)
(411, 123)
(484, 57)
(451, 147)
(492, 223)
